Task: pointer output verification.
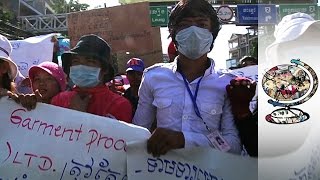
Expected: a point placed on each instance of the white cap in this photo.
(291, 27)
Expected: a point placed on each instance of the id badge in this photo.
(218, 141)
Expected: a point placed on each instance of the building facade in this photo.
(241, 45)
(19, 8)
(29, 7)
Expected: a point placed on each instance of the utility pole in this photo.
(19, 8)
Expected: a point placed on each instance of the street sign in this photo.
(247, 14)
(159, 15)
(252, 14)
(267, 14)
(311, 9)
(225, 13)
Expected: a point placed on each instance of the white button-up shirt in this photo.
(164, 96)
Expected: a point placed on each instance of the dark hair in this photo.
(193, 8)
(7, 82)
(109, 75)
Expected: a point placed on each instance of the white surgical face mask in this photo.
(85, 76)
(193, 42)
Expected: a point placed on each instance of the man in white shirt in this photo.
(188, 96)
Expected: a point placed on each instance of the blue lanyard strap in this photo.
(194, 98)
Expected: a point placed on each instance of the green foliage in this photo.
(76, 6)
(6, 16)
(61, 6)
(254, 49)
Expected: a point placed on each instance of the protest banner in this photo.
(195, 163)
(31, 51)
(56, 143)
(123, 31)
(250, 72)
(149, 58)
(129, 34)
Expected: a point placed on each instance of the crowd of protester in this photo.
(182, 102)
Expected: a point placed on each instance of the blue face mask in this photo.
(85, 76)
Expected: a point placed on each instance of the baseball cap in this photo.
(135, 64)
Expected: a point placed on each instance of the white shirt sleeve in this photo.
(146, 112)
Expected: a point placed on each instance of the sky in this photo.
(220, 52)
(95, 3)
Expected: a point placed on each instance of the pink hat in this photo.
(53, 69)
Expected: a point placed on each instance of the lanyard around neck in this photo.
(193, 97)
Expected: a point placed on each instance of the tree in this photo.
(62, 6)
(254, 48)
(6, 16)
(76, 6)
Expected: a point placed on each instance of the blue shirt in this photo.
(164, 96)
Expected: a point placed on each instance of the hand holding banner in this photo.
(56, 143)
(195, 163)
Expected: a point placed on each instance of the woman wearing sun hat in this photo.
(8, 69)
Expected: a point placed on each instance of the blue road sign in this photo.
(267, 14)
(251, 14)
(247, 14)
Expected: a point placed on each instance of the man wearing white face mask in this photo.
(188, 96)
(89, 67)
